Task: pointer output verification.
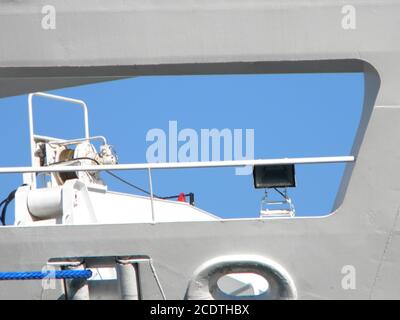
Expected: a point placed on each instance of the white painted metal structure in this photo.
(100, 40)
(181, 165)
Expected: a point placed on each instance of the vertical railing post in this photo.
(153, 218)
(32, 179)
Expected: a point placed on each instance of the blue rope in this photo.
(38, 275)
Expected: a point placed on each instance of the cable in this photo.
(107, 171)
(280, 192)
(131, 184)
(5, 204)
(1, 216)
(190, 195)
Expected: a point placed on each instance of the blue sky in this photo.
(292, 116)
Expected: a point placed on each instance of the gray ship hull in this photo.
(100, 41)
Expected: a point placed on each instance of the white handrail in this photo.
(178, 165)
(31, 127)
(60, 98)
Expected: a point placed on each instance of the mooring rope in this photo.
(39, 275)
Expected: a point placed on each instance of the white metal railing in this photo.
(59, 98)
(177, 165)
(32, 135)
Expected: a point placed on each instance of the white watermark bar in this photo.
(178, 165)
